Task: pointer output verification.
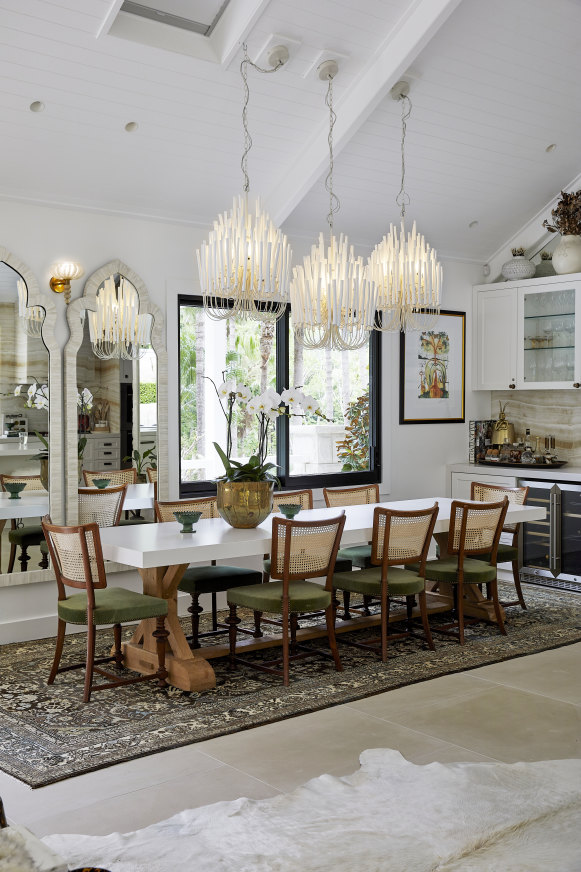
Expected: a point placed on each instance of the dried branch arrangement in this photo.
(566, 215)
(518, 252)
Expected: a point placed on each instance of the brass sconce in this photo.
(62, 276)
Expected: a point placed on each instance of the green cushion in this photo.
(211, 579)
(25, 536)
(475, 571)
(400, 582)
(113, 605)
(44, 547)
(505, 554)
(304, 596)
(359, 555)
(131, 521)
(341, 565)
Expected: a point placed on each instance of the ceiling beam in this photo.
(399, 49)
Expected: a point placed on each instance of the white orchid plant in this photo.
(84, 401)
(36, 395)
(268, 407)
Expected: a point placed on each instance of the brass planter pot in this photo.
(44, 473)
(245, 504)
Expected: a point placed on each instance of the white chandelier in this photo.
(244, 266)
(405, 269)
(31, 317)
(116, 329)
(332, 300)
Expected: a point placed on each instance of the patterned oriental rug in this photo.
(47, 734)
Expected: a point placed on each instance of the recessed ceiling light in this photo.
(551, 147)
(131, 126)
(473, 224)
(37, 106)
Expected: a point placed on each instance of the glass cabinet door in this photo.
(548, 325)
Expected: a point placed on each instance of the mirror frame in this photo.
(88, 301)
(55, 432)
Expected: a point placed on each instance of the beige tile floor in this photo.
(523, 709)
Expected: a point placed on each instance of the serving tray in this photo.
(555, 465)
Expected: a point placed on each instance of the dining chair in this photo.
(359, 555)
(152, 479)
(78, 563)
(399, 539)
(101, 506)
(474, 532)
(117, 477)
(212, 579)
(507, 552)
(21, 535)
(300, 550)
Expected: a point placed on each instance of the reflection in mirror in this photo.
(24, 405)
(116, 383)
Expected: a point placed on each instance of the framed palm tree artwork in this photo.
(432, 366)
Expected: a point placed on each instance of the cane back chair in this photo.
(117, 477)
(152, 479)
(300, 550)
(399, 539)
(20, 535)
(78, 563)
(212, 579)
(474, 532)
(101, 506)
(507, 553)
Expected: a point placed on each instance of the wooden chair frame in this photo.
(91, 664)
(510, 528)
(289, 620)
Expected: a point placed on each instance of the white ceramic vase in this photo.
(567, 255)
(518, 268)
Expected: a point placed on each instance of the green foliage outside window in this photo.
(147, 392)
(354, 449)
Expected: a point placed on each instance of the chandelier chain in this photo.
(334, 202)
(245, 62)
(403, 198)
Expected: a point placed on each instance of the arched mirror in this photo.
(30, 412)
(115, 382)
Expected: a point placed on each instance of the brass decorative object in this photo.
(503, 430)
(245, 504)
(44, 472)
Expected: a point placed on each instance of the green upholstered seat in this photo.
(210, 579)
(505, 554)
(475, 571)
(304, 596)
(341, 565)
(26, 536)
(400, 582)
(131, 521)
(359, 555)
(113, 605)
(43, 547)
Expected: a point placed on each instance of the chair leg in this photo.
(460, 609)
(409, 605)
(425, 622)
(24, 558)
(214, 611)
(285, 649)
(160, 635)
(60, 639)
(232, 620)
(346, 601)
(195, 611)
(330, 619)
(12, 558)
(294, 622)
(497, 609)
(366, 602)
(44, 562)
(90, 662)
(384, 626)
(257, 631)
(117, 640)
(515, 574)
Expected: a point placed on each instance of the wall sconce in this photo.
(62, 276)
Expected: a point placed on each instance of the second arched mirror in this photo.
(115, 390)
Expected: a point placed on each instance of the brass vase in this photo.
(245, 504)
(44, 472)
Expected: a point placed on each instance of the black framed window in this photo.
(339, 449)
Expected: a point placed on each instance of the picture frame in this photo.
(432, 365)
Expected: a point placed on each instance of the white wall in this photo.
(163, 254)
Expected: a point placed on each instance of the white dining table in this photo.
(161, 553)
(30, 504)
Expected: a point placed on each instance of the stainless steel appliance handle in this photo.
(555, 531)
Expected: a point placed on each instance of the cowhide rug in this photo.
(389, 816)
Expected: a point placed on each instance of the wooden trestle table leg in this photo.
(475, 603)
(186, 671)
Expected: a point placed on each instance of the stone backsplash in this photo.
(545, 413)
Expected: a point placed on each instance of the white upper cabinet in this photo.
(528, 334)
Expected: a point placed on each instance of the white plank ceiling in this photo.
(491, 88)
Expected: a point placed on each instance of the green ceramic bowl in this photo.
(187, 520)
(14, 488)
(289, 510)
(101, 483)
